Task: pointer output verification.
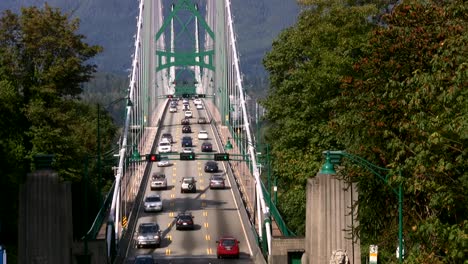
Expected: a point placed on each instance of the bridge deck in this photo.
(241, 170)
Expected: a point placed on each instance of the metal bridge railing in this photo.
(101, 216)
(274, 212)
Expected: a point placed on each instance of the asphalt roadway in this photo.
(215, 211)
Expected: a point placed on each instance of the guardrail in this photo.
(274, 212)
(102, 214)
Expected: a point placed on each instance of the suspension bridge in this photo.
(186, 49)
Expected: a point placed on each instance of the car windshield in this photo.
(148, 228)
(185, 217)
(187, 180)
(228, 242)
(152, 199)
(164, 144)
(217, 178)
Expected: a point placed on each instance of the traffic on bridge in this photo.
(212, 209)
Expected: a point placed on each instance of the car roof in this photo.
(202, 131)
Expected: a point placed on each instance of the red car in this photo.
(227, 247)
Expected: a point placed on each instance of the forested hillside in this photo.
(112, 24)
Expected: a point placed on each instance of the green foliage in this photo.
(407, 109)
(306, 65)
(42, 71)
(397, 98)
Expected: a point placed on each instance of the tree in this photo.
(43, 65)
(406, 109)
(306, 64)
(44, 59)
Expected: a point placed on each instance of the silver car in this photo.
(217, 182)
(153, 203)
(158, 181)
(148, 234)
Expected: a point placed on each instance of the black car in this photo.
(186, 142)
(186, 129)
(211, 166)
(185, 121)
(207, 147)
(184, 221)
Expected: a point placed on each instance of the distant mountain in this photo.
(112, 24)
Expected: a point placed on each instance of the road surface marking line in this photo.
(169, 237)
(206, 225)
(168, 251)
(171, 214)
(203, 196)
(207, 237)
(205, 213)
(238, 211)
(203, 204)
(172, 195)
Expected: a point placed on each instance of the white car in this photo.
(197, 101)
(187, 150)
(199, 106)
(173, 110)
(202, 134)
(164, 146)
(164, 162)
(188, 185)
(188, 114)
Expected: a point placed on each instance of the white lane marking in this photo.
(233, 197)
